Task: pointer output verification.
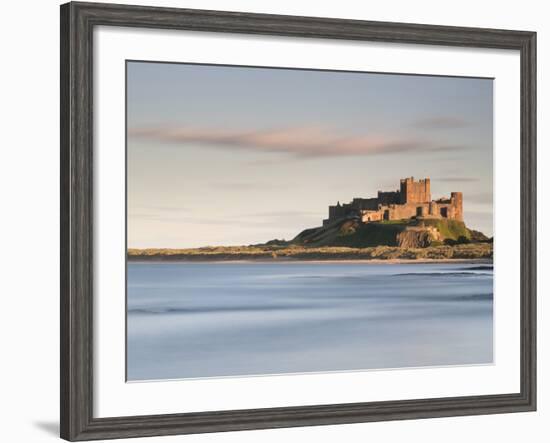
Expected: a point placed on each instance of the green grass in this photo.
(396, 222)
(450, 229)
(371, 234)
(352, 233)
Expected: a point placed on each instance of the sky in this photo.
(230, 155)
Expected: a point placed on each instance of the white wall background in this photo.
(29, 186)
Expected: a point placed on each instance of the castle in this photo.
(413, 199)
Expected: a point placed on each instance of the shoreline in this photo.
(389, 261)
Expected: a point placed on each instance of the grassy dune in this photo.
(296, 252)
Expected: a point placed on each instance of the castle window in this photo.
(443, 212)
(419, 211)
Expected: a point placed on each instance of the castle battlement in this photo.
(413, 199)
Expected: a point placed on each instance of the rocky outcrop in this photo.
(417, 237)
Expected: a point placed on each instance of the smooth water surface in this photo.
(242, 318)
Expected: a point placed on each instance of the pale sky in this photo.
(222, 155)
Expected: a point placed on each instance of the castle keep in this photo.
(413, 199)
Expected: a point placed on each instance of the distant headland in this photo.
(404, 225)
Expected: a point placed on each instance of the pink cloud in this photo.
(298, 141)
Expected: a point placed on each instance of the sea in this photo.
(222, 319)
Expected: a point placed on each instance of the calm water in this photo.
(226, 319)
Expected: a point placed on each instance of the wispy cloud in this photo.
(298, 141)
(456, 179)
(441, 123)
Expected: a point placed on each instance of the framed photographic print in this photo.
(273, 221)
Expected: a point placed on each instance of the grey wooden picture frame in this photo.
(77, 24)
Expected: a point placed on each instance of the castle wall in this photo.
(338, 210)
(397, 212)
(408, 210)
(365, 203)
(388, 198)
(369, 216)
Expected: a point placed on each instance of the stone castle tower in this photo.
(415, 192)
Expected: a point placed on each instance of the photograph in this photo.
(286, 221)
(289, 217)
